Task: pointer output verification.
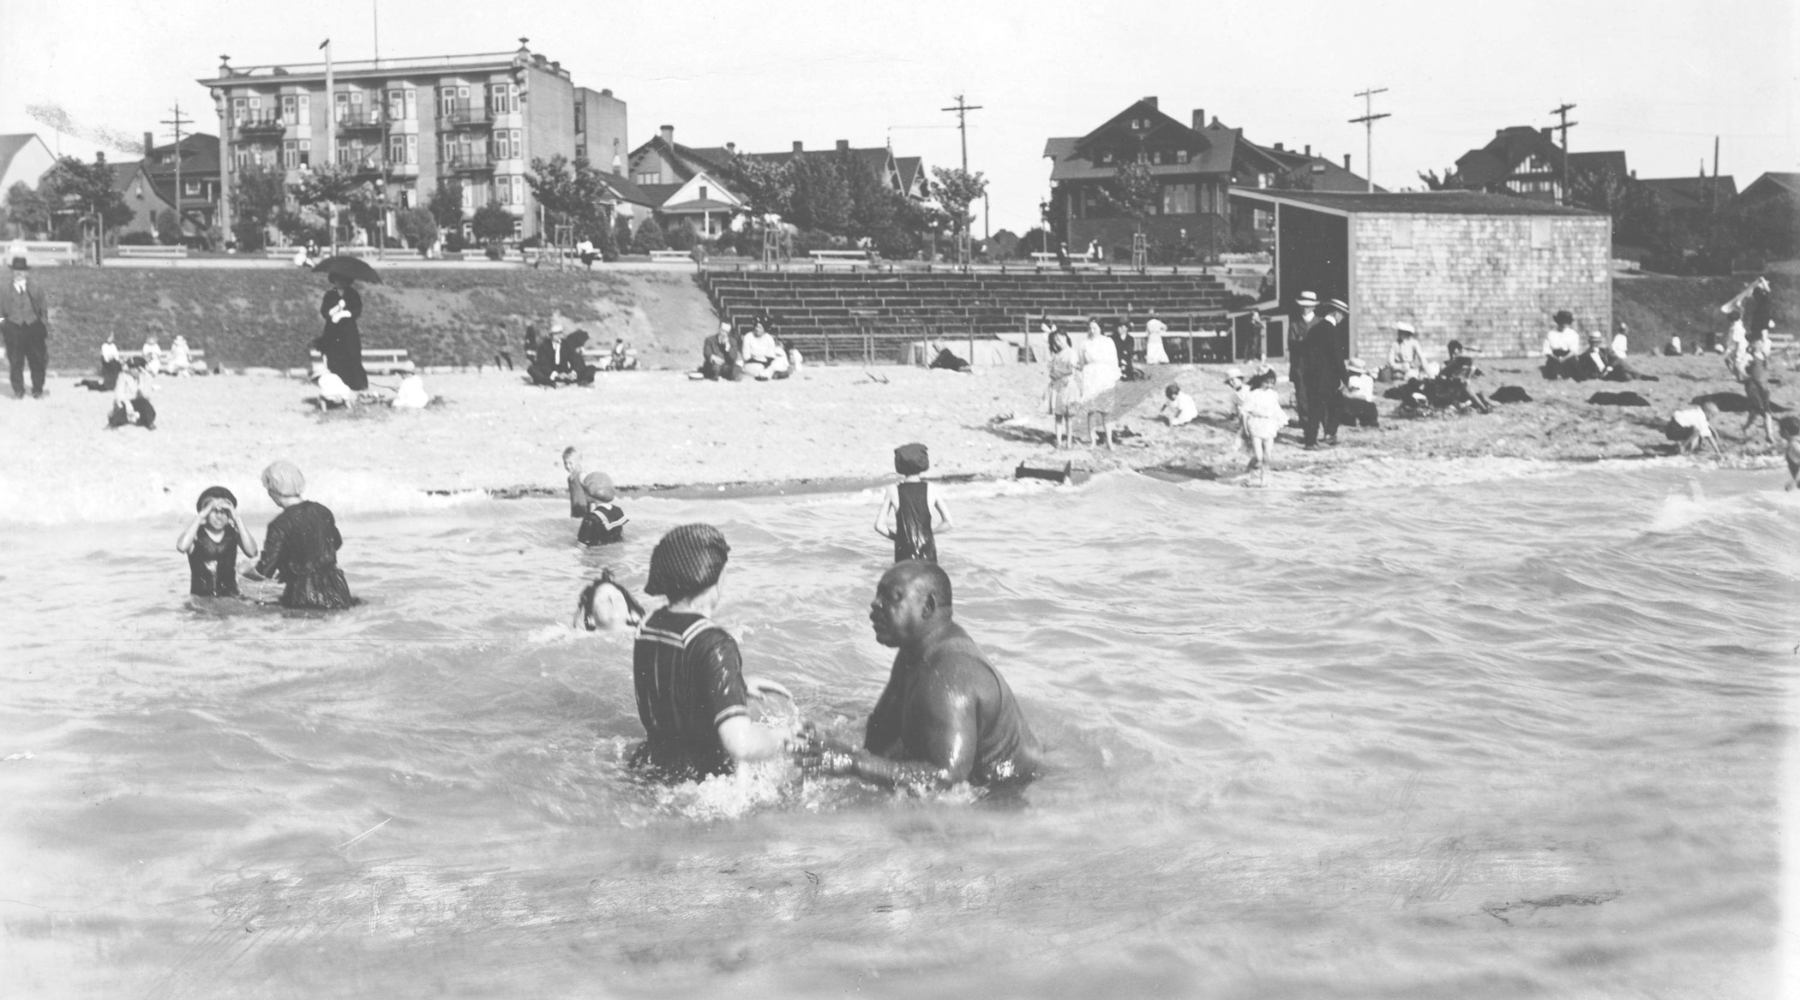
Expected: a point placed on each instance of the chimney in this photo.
(668, 133)
(843, 145)
(1278, 148)
(799, 147)
(1309, 149)
(1346, 162)
(1199, 119)
(149, 144)
(1151, 100)
(731, 147)
(606, 92)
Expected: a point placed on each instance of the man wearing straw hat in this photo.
(25, 324)
(1322, 358)
(1304, 318)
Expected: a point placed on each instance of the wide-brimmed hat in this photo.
(1234, 373)
(1405, 327)
(1596, 337)
(1307, 299)
(1339, 304)
(1356, 365)
(687, 560)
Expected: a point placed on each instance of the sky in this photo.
(1659, 81)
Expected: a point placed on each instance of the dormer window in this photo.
(1181, 156)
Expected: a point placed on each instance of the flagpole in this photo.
(330, 140)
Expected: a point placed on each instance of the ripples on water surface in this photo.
(1493, 738)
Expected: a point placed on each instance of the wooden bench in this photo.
(154, 252)
(196, 359)
(852, 258)
(47, 251)
(1041, 260)
(376, 361)
(671, 256)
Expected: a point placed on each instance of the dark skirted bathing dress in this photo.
(603, 524)
(301, 551)
(341, 343)
(212, 565)
(912, 524)
(689, 678)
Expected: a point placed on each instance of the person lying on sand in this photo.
(947, 716)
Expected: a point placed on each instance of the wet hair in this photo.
(584, 605)
(215, 491)
(686, 561)
(570, 450)
(283, 478)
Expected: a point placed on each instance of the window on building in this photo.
(503, 99)
(240, 110)
(702, 192)
(305, 110)
(290, 109)
(446, 102)
(242, 157)
(1540, 233)
(1156, 157)
(647, 177)
(581, 151)
(580, 116)
(502, 191)
(1106, 159)
(290, 154)
(412, 149)
(1178, 199)
(1181, 156)
(1403, 234)
(397, 148)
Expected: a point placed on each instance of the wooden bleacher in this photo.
(852, 258)
(153, 252)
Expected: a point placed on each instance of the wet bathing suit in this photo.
(689, 678)
(301, 551)
(912, 524)
(212, 565)
(604, 523)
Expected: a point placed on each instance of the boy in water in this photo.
(211, 543)
(907, 508)
(578, 500)
(300, 548)
(604, 521)
(1790, 433)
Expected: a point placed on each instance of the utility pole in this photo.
(1367, 121)
(176, 121)
(1563, 128)
(962, 125)
(330, 141)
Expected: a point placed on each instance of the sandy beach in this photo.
(830, 427)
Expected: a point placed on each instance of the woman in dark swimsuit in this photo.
(301, 547)
(211, 543)
(907, 510)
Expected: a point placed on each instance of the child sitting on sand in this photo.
(604, 521)
(1263, 417)
(907, 508)
(1790, 433)
(211, 543)
(300, 548)
(131, 397)
(605, 606)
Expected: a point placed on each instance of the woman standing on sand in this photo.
(341, 343)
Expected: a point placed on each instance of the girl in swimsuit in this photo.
(211, 543)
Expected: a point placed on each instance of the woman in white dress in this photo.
(1154, 352)
(1098, 377)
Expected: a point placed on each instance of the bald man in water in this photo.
(947, 715)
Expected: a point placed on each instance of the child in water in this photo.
(1262, 418)
(907, 509)
(211, 543)
(301, 546)
(604, 521)
(578, 501)
(605, 606)
(1790, 433)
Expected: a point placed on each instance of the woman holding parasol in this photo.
(341, 343)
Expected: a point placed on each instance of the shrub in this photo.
(683, 236)
(649, 237)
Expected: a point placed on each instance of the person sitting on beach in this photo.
(1692, 426)
(719, 355)
(1449, 388)
(947, 716)
(1406, 359)
(152, 353)
(622, 358)
(211, 542)
(1621, 343)
(944, 359)
(131, 398)
(110, 366)
(907, 509)
(605, 605)
(1178, 407)
(1790, 436)
(180, 361)
(759, 352)
(781, 367)
(692, 695)
(1561, 346)
(410, 394)
(1599, 362)
(333, 393)
(604, 521)
(301, 545)
(1358, 402)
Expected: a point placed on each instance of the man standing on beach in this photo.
(1322, 359)
(947, 716)
(25, 324)
(1304, 318)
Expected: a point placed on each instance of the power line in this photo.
(176, 121)
(1367, 121)
(1563, 113)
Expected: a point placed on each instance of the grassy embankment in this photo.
(246, 317)
(1657, 308)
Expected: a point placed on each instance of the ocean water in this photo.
(1521, 733)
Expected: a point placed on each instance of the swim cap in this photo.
(911, 459)
(599, 486)
(206, 495)
(686, 561)
(283, 478)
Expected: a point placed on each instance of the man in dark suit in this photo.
(1323, 355)
(1303, 319)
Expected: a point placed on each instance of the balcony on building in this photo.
(467, 163)
(359, 121)
(464, 115)
(260, 125)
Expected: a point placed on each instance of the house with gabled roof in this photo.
(142, 195)
(1520, 160)
(914, 181)
(1770, 208)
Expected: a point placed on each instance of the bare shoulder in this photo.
(955, 660)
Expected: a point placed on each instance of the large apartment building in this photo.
(416, 123)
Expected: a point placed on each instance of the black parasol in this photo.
(354, 268)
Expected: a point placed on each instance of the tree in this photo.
(957, 189)
(87, 190)
(649, 237)
(1448, 181)
(258, 196)
(325, 188)
(766, 188)
(1134, 191)
(492, 224)
(417, 227)
(446, 205)
(27, 212)
(168, 229)
(1003, 245)
(821, 198)
(573, 194)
